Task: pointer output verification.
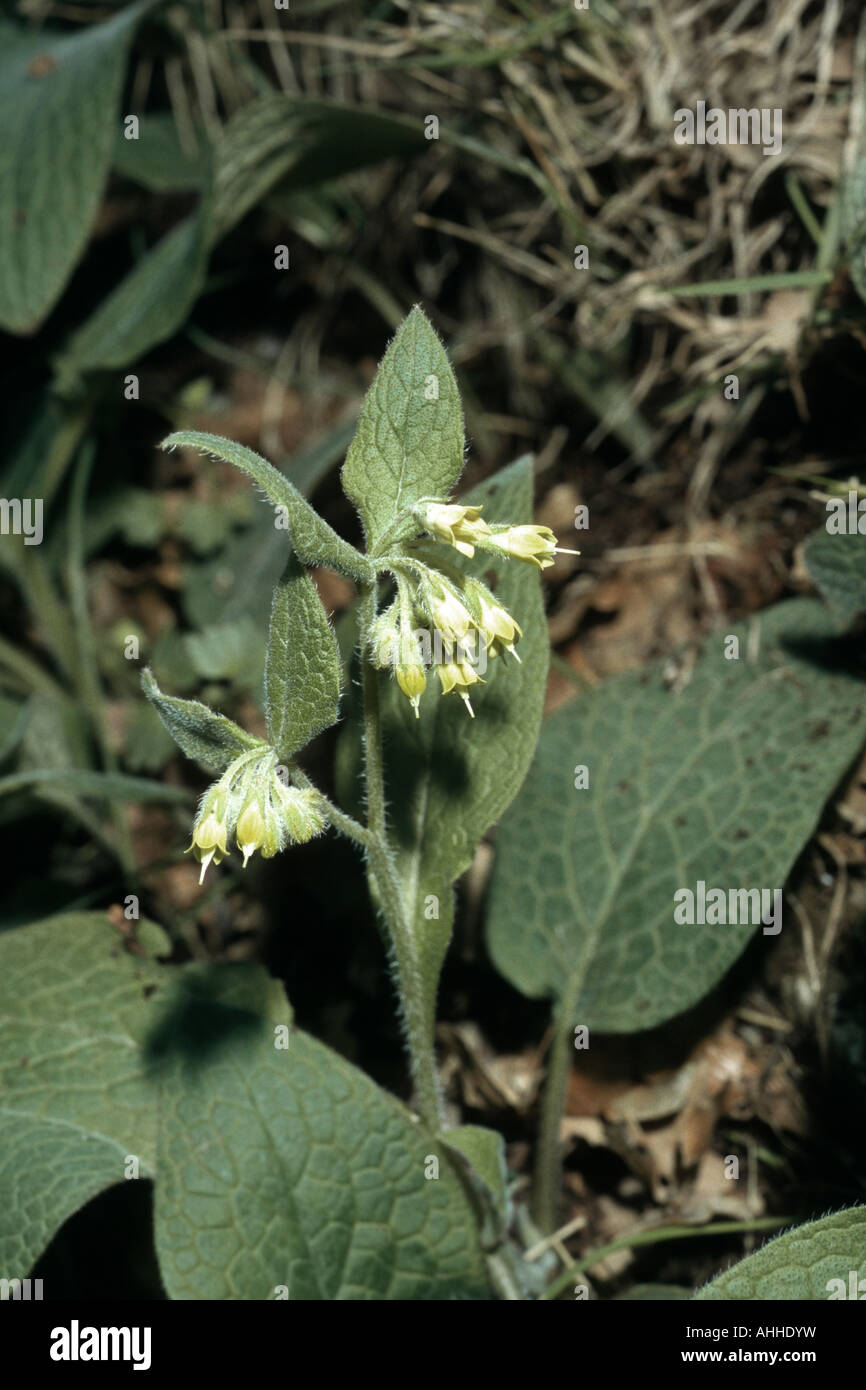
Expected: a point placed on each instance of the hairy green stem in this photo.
(401, 932)
(548, 1158)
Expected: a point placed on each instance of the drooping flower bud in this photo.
(495, 623)
(210, 829)
(251, 832)
(459, 676)
(448, 614)
(413, 683)
(302, 813)
(386, 636)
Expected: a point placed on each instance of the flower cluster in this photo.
(444, 618)
(252, 801)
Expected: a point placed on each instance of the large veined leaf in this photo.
(837, 563)
(277, 1168)
(409, 442)
(291, 1170)
(721, 783)
(73, 1095)
(302, 674)
(448, 777)
(822, 1260)
(59, 95)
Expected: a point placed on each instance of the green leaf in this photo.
(146, 307)
(722, 782)
(407, 446)
(837, 563)
(228, 652)
(297, 142)
(653, 1293)
(147, 744)
(74, 1100)
(79, 781)
(313, 540)
(59, 95)
(302, 671)
(484, 1150)
(211, 739)
(449, 777)
(800, 1264)
(14, 715)
(274, 1166)
(285, 140)
(854, 224)
(317, 1184)
(157, 160)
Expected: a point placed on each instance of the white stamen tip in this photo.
(204, 866)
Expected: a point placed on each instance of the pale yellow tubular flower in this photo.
(251, 830)
(413, 683)
(536, 545)
(497, 626)
(455, 524)
(211, 828)
(209, 841)
(459, 676)
(451, 617)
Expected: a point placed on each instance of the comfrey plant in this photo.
(437, 610)
(279, 1169)
(447, 591)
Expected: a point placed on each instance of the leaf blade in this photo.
(54, 87)
(312, 1177)
(356, 1218)
(409, 444)
(799, 1264)
(837, 564)
(682, 788)
(147, 306)
(302, 671)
